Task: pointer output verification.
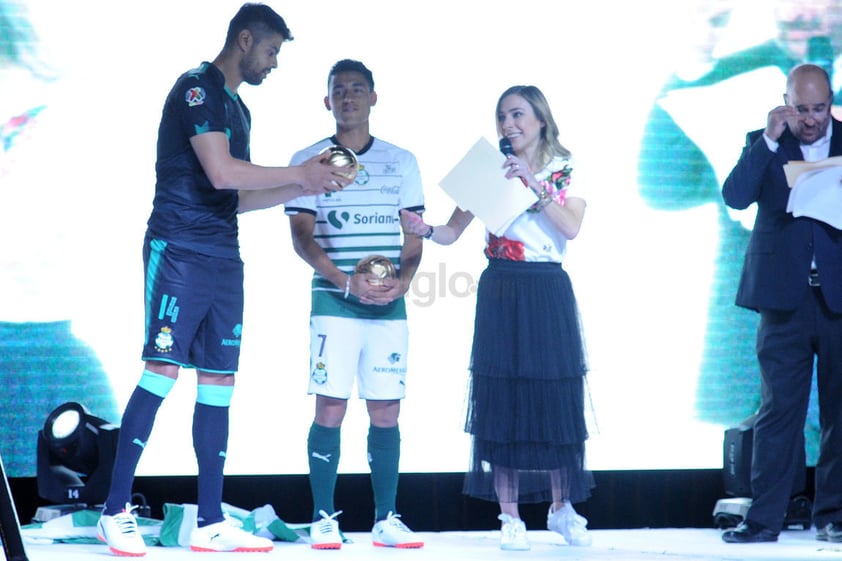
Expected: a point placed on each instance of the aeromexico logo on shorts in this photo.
(395, 368)
(235, 342)
(164, 340)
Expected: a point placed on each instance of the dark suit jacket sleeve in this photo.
(782, 247)
(744, 184)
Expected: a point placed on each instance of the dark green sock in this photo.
(384, 452)
(323, 456)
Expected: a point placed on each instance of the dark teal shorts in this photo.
(194, 308)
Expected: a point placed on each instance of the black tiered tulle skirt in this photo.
(526, 399)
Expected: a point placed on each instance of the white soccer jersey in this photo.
(361, 220)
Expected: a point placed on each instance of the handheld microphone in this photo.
(506, 149)
(506, 146)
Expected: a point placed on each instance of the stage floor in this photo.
(616, 545)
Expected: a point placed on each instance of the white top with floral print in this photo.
(532, 237)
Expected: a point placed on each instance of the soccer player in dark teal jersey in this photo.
(194, 275)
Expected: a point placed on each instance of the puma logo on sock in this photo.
(323, 457)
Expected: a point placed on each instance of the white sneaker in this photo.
(569, 524)
(392, 532)
(324, 533)
(121, 534)
(222, 536)
(513, 534)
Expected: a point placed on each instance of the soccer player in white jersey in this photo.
(358, 329)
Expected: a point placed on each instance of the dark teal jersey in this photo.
(187, 210)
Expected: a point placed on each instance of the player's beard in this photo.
(251, 73)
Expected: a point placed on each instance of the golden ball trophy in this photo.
(379, 266)
(340, 156)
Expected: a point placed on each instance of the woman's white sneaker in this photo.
(570, 524)
(513, 534)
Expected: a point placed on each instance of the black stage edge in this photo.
(433, 502)
(9, 524)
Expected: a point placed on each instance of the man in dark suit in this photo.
(792, 275)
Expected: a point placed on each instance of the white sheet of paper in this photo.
(477, 184)
(818, 194)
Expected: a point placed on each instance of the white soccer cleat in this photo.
(121, 534)
(392, 532)
(222, 536)
(324, 533)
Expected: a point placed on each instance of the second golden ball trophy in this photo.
(379, 266)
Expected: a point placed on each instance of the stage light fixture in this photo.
(75, 456)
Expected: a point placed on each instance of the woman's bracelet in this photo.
(544, 199)
(347, 287)
(429, 234)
